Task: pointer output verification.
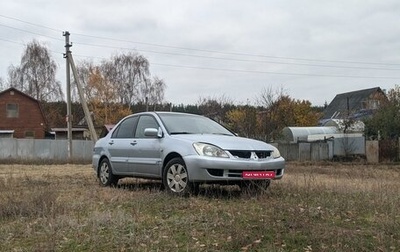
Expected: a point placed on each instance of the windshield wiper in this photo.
(223, 134)
(180, 132)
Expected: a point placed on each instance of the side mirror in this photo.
(153, 132)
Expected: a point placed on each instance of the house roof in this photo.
(17, 91)
(344, 103)
(29, 97)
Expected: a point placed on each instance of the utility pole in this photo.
(85, 107)
(69, 114)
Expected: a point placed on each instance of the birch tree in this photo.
(36, 74)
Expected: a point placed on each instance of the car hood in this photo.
(226, 142)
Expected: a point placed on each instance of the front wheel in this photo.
(176, 178)
(106, 177)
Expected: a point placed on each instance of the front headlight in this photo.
(209, 150)
(276, 153)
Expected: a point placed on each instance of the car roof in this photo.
(163, 113)
(160, 113)
(175, 113)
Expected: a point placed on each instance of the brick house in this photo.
(355, 105)
(21, 116)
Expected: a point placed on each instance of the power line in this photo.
(35, 33)
(10, 41)
(240, 60)
(257, 72)
(215, 51)
(241, 54)
(198, 56)
(260, 72)
(216, 58)
(278, 73)
(236, 70)
(33, 24)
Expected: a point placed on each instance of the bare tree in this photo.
(269, 96)
(36, 74)
(128, 72)
(268, 100)
(84, 70)
(158, 91)
(14, 77)
(127, 80)
(215, 107)
(152, 91)
(103, 98)
(2, 84)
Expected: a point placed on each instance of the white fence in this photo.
(323, 150)
(44, 149)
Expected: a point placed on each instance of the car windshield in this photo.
(192, 124)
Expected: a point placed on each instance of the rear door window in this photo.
(126, 129)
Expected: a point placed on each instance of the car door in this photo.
(120, 145)
(146, 159)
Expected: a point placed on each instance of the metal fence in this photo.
(342, 149)
(57, 150)
(306, 151)
(44, 149)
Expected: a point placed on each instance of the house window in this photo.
(374, 104)
(12, 110)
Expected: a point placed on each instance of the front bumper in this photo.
(207, 169)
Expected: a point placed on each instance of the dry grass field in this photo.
(315, 207)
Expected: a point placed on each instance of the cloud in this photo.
(231, 48)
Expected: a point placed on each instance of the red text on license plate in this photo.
(258, 174)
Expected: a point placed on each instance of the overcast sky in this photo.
(312, 50)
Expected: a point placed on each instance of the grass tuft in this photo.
(315, 207)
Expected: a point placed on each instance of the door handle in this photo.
(111, 143)
(133, 143)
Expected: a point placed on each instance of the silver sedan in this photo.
(184, 151)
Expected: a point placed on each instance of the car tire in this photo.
(105, 174)
(176, 178)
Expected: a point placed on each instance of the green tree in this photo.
(279, 110)
(243, 121)
(385, 123)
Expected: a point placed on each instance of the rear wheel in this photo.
(176, 178)
(106, 177)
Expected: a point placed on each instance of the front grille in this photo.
(248, 154)
(241, 154)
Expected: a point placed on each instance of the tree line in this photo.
(245, 120)
(123, 84)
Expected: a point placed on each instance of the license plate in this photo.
(258, 174)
